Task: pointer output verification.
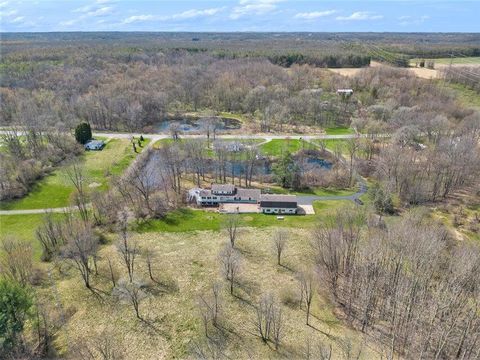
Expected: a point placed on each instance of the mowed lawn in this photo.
(317, 192)
(277, 147)
(187, 219)
(332, 144)
(339, 130)
(23, 227)
(55, 189)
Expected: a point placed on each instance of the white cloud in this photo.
(68, 22)
(314, 14)
(195, 13)
(8, 13)
(17, 19)
(360, 15)
(412, 20)
(253, 7)
(85, 8)
(138, 18)
(189, 14)
(101, 11)
(3, 4)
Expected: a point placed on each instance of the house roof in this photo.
(223, 188)
(283, 201)
(249, 193)
(205, 192)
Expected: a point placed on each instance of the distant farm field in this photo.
(453, 61)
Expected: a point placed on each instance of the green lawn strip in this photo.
(185, 220)
(339, 130)
(447, 61)
(23, 227)
(235, 116)
(277, 147)
(209, 150)
(465, 95)
(314, 191)
(333, 144)
(55, 189)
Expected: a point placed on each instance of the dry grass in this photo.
(190, 259)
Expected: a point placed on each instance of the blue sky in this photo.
(239, 15)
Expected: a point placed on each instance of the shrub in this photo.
(290, 298)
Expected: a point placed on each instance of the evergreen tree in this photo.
(83, 133)
(15, 306)
(287, 172)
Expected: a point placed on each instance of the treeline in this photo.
(140, 90)
(433, 150)
(29, 154)
(327, 60)
(404, 283)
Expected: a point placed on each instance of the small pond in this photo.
(319, 162)
(193, 124)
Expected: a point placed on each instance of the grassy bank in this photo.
(55, 189)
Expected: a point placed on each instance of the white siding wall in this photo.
(279, 210)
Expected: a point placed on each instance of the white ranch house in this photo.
(230, 194)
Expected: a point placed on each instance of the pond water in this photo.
(192, 124)
(263, 167)
(319, 162)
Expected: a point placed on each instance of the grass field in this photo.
(23, 227)
(339, 130)
(277, 147)
(448, 61)
(173, 328)
(333, 144)
(466, 96)
(55, 189)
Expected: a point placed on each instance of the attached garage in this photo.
(278, 204)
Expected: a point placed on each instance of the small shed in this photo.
(95, 145)
(345, 92)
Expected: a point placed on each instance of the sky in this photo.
(240, 15)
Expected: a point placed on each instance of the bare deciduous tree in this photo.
(307, 289)
(132, 291)
(127, 246)
(231, 223)
(76, 175)
(81, 248)
(269, 320)
(16, 261)
(231, 264)
(51, 237)
(280, 238)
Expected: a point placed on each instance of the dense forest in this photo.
(148, 275)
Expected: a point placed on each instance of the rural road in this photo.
(267, 137)
(37, 211)
(302, 200)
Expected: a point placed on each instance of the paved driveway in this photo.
(309, 199)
